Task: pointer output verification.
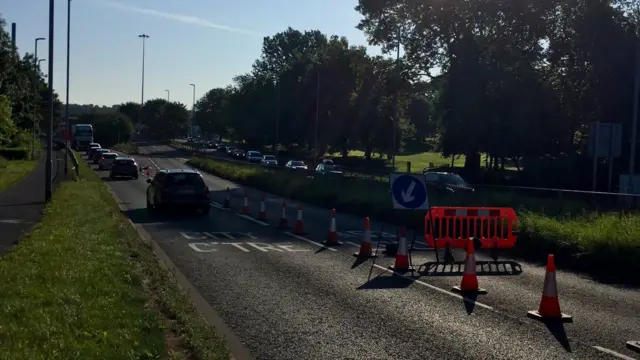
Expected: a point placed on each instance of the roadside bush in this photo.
(604, 245)
(16, 153)
(127, 148)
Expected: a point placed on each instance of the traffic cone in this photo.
(469, 283)
(402, 258)
(549, 308)
(227, 200)
(283, 217)
(366, 249)
(298, 228)
(262, 214)
(332, 238)
(147, 171)
(245, 206)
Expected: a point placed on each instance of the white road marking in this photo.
(613, 353)
(238, 246)
(432, 287)
(309, 241)
(252, 219)
(219, 206)
(196, 247)
(11, 221)
(264, 247)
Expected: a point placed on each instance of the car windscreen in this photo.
(254, 154)
(297, 163)
(110, 156)
(182, 179)
(453, 179)
(269, 157)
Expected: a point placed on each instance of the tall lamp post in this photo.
(48, 189)
(33, 132)
(144, 37)
(67, 126)
(168, 95)
(193, 103)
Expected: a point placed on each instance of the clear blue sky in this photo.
(205, 42)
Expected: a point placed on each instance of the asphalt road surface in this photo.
(288, 297)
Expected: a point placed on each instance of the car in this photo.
(445, 182)
(238, 154)
(178, 188)
(106, 160)
(296, 165)
(124, 167)
(230, 150)
(98, 154)
(222, 148)
(92, 148)
(269, 160)
(328, 169)
(254, 156)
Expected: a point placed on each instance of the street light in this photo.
(193, 106)
(35, 90)
(39, 61)
(49, 166)
(144, 37)
(66, 106)
(168, 95)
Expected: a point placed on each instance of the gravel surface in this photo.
(286, 298)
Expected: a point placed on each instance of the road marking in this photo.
(238, 246)
(309, 241)
(219, 206)
(613, 353)
(264, 247)
(432, 287)
(196, 247)
(11, 221)
(252, 219)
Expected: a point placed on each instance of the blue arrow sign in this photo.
(409, 192)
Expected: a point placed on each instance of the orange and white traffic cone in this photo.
(283, 217)
(262, 215)
(245, 206)
(469, 283)
(298, 228)
(366, 249)
(332, 238)
(549, 308)
(227, 200)
(402, 257)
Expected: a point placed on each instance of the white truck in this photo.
(82, 136)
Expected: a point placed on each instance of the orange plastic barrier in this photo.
(455, 225)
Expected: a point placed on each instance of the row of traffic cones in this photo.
(549, 307)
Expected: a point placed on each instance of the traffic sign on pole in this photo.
(409, 192)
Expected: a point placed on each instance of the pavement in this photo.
(22, 205)
(289, 297)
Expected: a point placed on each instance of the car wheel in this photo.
(150, 207)
(204, 211)
(136, 177)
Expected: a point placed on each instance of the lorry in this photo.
(81, 136)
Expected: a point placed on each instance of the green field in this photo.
(606, 244)
(82, 285)
(127, 148)
(13, 171)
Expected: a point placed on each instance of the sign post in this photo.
(605, 141)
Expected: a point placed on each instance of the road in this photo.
(288, 297)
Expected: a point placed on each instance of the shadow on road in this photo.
(386, 282)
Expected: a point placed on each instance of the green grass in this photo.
(605, 245)
(13, 171)
(418, 161)
(82, 285)
(127, 148)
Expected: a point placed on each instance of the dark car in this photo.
(124, 167)
(328, 169)
(92, 149)
(445, 182)
(97, 154)
(178, 188)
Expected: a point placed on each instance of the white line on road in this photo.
(215, 204)
(252, 219)
(432, 287)
(613, 353)
(309, 241)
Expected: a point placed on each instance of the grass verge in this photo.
(606, 246)
(127, 148)
(82, 285)
(12, 171)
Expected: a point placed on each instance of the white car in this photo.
(269, 160)
(106, 161)
(296, 165)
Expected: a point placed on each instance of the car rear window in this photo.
(269, 157)
(110, 156)
(185, 179)
(124, 162)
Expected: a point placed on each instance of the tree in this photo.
(164, 120)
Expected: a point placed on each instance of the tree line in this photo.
(24, 99)
(519, 81)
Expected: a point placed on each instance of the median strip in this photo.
(83, 285)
